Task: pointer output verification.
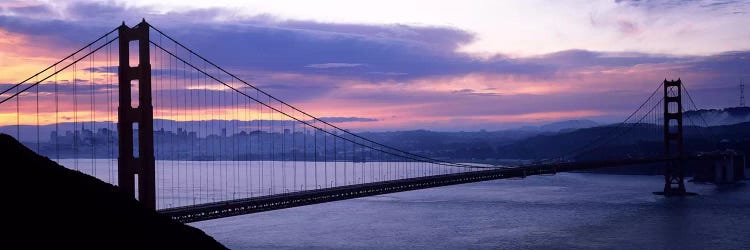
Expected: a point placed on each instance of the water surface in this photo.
(568, 210)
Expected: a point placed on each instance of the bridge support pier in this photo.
(132, 164)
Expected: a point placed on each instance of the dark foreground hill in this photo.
(49, 206)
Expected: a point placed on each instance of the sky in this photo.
(438, 65)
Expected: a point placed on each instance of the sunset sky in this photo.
(439, 65)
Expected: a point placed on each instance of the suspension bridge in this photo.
(139, 109)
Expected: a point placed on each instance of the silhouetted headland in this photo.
(50, 205)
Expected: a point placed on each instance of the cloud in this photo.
(300, 51)
(347, 119)
(584, 58)
(388, 73)
(701, 4)
(332, 65)
(628, 27)
(729, 64)
(82, 86)
(32, 10)
(383, 76)
(255, 43)
(474, 92)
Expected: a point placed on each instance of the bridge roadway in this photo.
(222, 209)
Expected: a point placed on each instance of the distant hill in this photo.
(450, 145)
(568, 125)
(718, 117)
(561, 126)
(642, 140)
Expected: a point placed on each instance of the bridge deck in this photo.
(295, 199)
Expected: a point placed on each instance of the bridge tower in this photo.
(133, 164)
(674, 183)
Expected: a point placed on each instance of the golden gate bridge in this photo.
(238, 149)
